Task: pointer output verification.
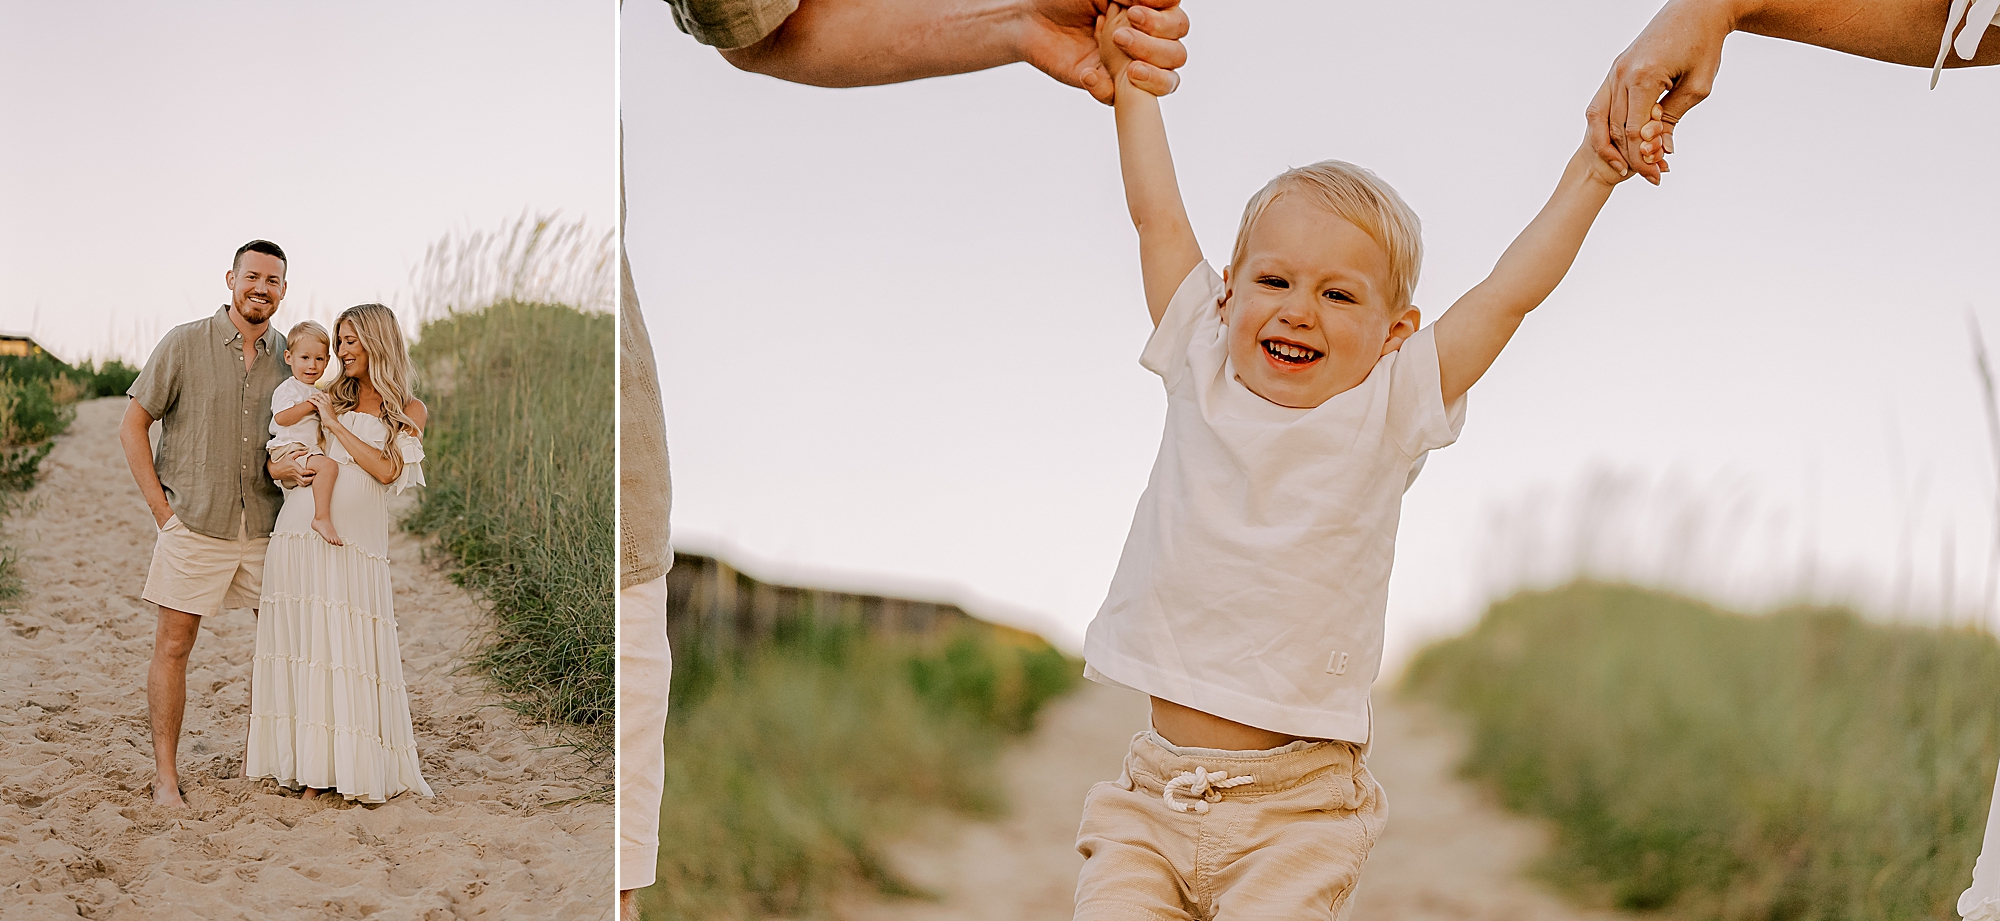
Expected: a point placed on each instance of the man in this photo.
(823, 43)
(208, 384)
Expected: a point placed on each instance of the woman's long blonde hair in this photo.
(388, 372)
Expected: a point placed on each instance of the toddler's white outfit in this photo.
(301, 438)
(1255, 579)
(1253, 586)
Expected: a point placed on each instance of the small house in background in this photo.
(21, 345)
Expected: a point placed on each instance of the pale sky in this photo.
(898, 327)
(146, 141)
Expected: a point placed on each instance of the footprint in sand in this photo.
(79, 837)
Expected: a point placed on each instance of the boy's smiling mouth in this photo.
(1291, 354)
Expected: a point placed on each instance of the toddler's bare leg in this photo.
(324, 471)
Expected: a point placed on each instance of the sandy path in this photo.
(80, 837)
(1448, 852)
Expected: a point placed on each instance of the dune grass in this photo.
(520, 469)
(37, 397)
(787, 767)
(1806, 764)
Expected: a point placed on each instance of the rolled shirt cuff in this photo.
(728, 24)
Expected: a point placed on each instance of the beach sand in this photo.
(1449, 853)
(79, 836)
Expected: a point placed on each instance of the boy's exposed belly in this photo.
(1191, 728)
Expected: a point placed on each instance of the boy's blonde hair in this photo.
(1364, 200)
(310, 329)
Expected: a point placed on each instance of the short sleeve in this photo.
(1191, 313)
(413, 463)
(727, 24)
(1418, 419)
(285, 396)
(158, 386)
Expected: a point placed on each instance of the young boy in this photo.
(295, 420)
(1302, 395)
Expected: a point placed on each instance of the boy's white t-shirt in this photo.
(289, 393)
(1254, 581)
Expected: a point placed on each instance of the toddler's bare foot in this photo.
(325, 528)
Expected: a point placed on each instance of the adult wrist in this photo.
(1732, 15)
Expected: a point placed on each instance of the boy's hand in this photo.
(1116, 16)
(1657, 134)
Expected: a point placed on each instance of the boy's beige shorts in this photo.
(204, 575)
(1289, 844)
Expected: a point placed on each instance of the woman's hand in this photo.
(1677, 56)
(324, 404)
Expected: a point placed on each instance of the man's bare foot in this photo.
(325, 529)
(168, 793)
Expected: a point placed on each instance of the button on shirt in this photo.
(215, 417)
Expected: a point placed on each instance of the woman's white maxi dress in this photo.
(328, 707)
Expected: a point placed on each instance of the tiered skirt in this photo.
(328, 707)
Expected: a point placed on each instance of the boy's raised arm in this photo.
(1471, 334)
(1168, 250)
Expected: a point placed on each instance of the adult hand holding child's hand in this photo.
(1605, 171)
(1073, 35)
(1668, 70)
(324, 404)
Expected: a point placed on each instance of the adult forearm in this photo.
(1897, 31)
(366, 456)
(872, 42)
(134, 435)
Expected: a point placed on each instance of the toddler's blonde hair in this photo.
(1362, 199)
(310, 329)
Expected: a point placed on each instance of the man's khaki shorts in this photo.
(1287, 843)
(203, 575)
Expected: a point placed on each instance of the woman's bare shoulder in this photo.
(418, 413)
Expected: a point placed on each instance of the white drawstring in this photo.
(1200, 783)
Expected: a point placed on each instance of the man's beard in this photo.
(255, 312)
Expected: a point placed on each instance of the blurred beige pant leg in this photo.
(645, 668)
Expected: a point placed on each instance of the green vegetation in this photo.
(1802, 765)
(520, 469)
(787, 766)
(37, 397)
(37, 394)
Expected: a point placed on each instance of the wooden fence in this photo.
(715, 607)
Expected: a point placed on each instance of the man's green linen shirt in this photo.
(215, 419)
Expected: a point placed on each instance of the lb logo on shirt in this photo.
(1336, 664)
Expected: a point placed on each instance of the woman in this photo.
(328, 708)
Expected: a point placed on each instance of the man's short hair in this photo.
(1364, 200)
(266, 247)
